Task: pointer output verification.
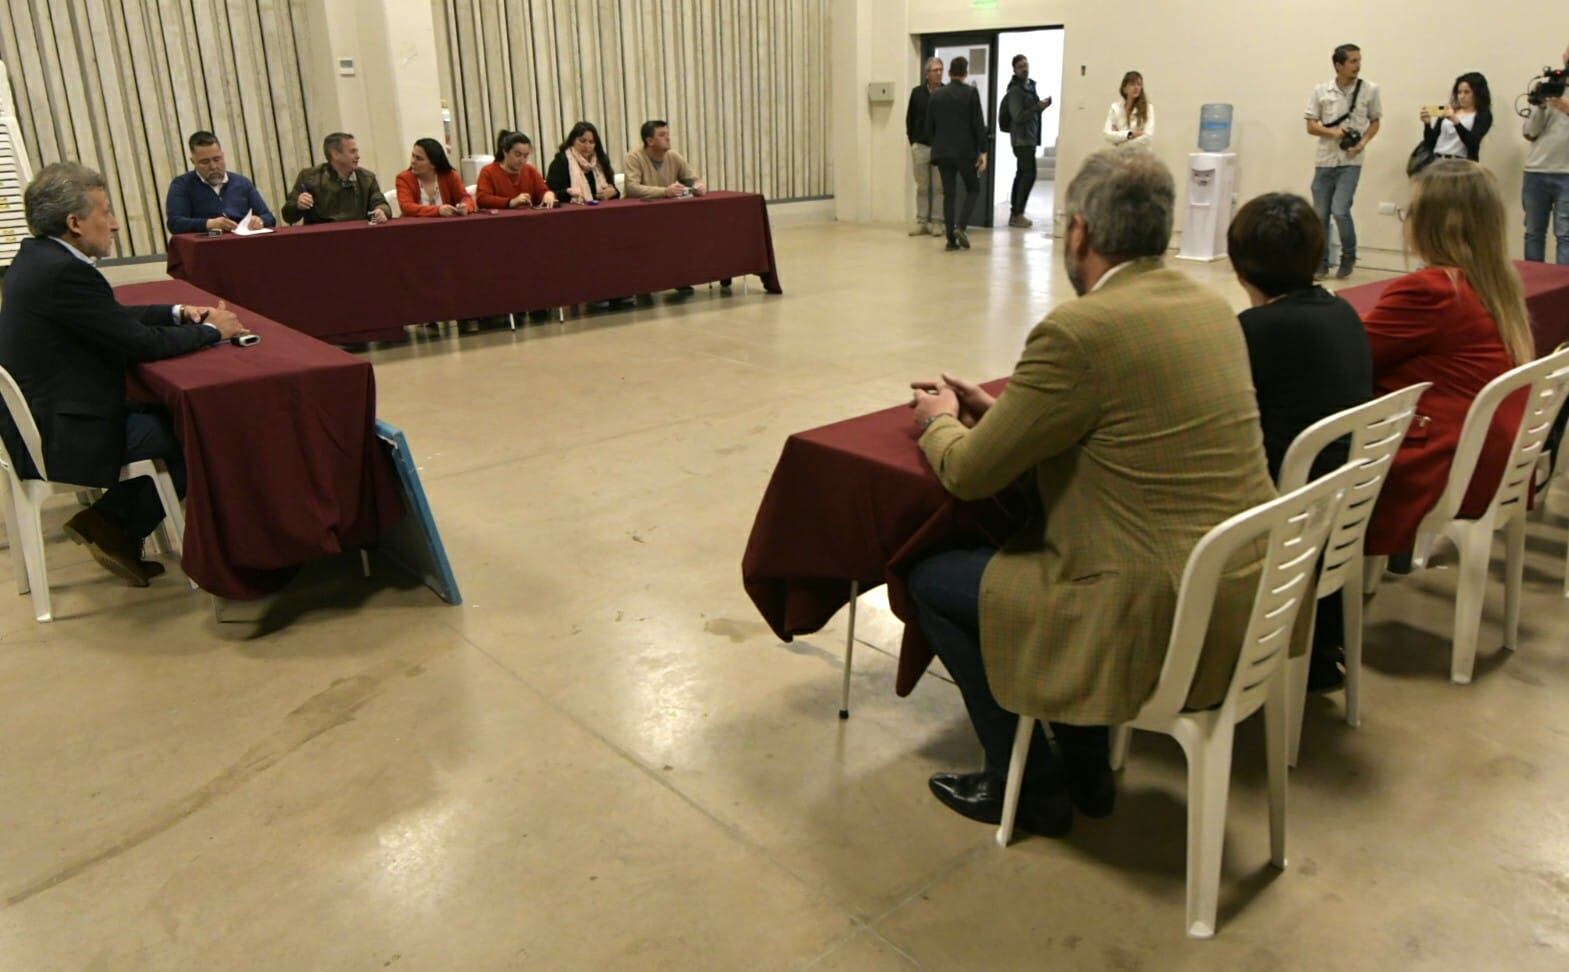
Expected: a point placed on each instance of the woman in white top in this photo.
(1131, 120)
(1458, 132)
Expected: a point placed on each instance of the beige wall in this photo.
(1262, 57)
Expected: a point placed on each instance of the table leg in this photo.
(849, 653)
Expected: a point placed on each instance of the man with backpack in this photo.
(1020, 117)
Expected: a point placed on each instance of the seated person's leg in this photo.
(946, 589)
(133, 505)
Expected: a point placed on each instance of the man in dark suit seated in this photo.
(66, 341)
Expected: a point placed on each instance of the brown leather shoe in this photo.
(110, 546)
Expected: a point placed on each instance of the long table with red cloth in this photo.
(1546, 294)
(353, 282)
(283, 463)
(856, 501)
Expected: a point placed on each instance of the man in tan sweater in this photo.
(656, 171)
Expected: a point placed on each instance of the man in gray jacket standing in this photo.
(1020, 117)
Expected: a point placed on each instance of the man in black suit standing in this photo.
(957, 132)
(66, 341)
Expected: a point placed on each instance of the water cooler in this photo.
(1212, 181)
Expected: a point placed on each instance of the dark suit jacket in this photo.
(955, 126)
(67, 341)
(1310, 359)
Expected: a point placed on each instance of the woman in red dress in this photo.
(1459, 323)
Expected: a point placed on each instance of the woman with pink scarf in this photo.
(581, 172)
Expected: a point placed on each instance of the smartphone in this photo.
(1437, 111)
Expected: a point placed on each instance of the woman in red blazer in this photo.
(1459, 323)
(430, 186)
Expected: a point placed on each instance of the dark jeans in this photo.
(1024, 179)
(946, 588)
(951, 172)
(133, 505)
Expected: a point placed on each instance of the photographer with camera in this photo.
(1343, 114)
(1546, 190)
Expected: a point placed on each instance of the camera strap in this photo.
(1354, 92)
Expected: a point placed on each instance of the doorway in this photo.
(1043, 50)
(990, 54)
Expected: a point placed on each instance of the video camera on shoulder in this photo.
(1550, 84)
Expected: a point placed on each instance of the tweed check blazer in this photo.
(1133, 411)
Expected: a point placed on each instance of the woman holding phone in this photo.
(1456, 130)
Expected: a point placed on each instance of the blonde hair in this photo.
(1457, 222)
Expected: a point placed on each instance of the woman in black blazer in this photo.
(1458, 132)
(1310, 357)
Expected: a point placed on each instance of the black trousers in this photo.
(1023, 179)
(946, 588)
(951, 172)
(133, 505)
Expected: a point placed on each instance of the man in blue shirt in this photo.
(210, 197)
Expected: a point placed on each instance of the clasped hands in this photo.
(948, 395)
(220, 317)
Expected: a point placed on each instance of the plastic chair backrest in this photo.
(1548, 381)
(1376, 430)
(1296, 526)
(16, 404)
(392, 201)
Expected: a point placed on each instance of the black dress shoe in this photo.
(952, 245)
(151, 569)
(978, 796)
(686, 291)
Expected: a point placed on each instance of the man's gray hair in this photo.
(930, 61)
(58, 191)
(1126, 197)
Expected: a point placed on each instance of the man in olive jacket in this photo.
(1133, 415)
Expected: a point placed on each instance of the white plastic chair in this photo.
(1376, 431)
(1548, 470)
(1548, 381)
(1296, 526)
(392, 202)
(25, 498)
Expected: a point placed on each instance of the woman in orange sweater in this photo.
(430, 186)
(511, 182)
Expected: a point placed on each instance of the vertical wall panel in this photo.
(743, 83)
(118, 85)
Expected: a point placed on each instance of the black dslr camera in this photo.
(1350, 139)
(1551, 84)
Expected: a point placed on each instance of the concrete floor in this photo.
(604, 760)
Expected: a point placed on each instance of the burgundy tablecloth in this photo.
(283, 461)
(349, 282)
(856, 501)
(1546, 293)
